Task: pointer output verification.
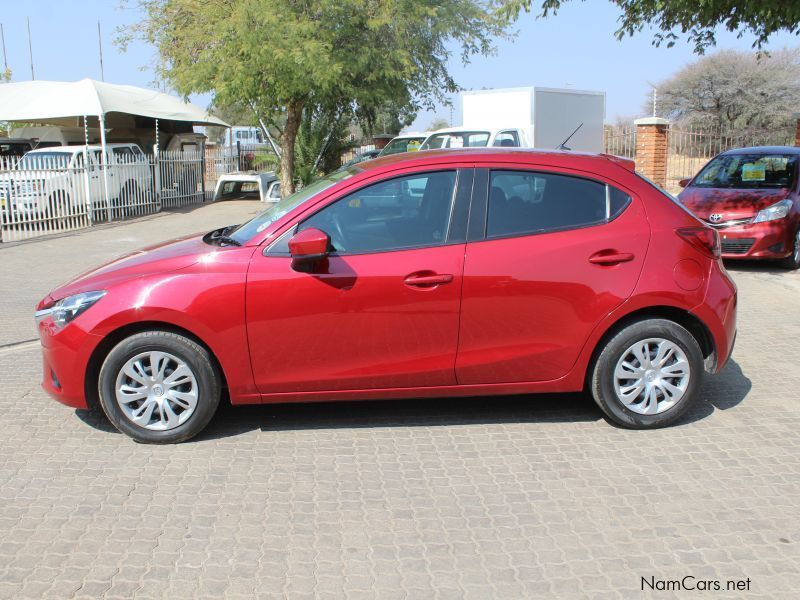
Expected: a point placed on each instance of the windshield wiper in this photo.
(228, 241)
(219, 236)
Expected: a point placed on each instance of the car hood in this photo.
(160, 258)
(730, 203)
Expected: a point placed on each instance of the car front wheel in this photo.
(792, 261)
(648, 374)
(159, 387)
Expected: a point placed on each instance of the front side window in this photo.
(524, 202)
(405, 212)
(748, 171)
(264, 219)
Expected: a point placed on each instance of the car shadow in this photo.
(722, 392)
(430, 412)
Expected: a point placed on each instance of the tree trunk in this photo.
(294, 114)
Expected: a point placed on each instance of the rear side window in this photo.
(524, 202)
(506, 139)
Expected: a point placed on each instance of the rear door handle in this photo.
(607, 257)
(427, 280)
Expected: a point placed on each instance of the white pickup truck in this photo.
(475, 137)
(53, 182)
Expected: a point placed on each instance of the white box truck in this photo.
(545, 116)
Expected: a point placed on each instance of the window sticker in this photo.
(456, 141)
(754, 171)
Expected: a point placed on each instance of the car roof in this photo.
(495, 154)
(764, 150)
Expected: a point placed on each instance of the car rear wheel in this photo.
(792, 261)
(159, 387)
(648, 374)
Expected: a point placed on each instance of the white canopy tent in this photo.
(61, 102)
(65, 103)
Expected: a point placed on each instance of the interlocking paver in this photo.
(488, 498)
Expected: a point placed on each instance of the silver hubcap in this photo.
(651, 376)
(156, 391)
(797, 247)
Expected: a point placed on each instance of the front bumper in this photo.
(65, 358)
(771, 240)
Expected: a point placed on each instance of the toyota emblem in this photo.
(715, 218)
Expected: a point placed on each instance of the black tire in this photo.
(602, 375)
(792, 262)
(199, 361)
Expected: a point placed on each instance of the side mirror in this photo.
(307, 248)
(684, 182)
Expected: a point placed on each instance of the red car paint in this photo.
(476, 316)
(734, 209)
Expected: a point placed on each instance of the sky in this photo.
(576, 48)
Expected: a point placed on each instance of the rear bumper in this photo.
(718, 312)
(65, 357)
(770, 241)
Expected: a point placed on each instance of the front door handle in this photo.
(610, 257)
(427, 279)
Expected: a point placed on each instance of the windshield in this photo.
(261, 221)
(397, 146)
(457, 139)
(41, 160)
(748, 171)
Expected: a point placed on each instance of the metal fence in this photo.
(57, 192)
(620, 140)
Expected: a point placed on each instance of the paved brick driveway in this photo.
(492, 498)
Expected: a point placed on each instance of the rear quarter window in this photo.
(527, 202)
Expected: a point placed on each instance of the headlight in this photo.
(777, 211)
(66, 309)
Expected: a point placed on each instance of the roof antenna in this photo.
(563, 145)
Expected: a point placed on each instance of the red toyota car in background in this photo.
(426, 274)
(750, 195)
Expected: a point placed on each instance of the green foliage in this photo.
(281, 55)
(321, 141)
(694, 19)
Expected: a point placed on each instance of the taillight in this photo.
(704, 239)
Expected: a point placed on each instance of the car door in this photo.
(383, 311)
(549, 255)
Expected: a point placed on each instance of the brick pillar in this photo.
(652, 144)
(797, 130)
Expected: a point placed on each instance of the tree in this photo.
(736, 92)
(696, 20)
(280, 56)
(321, 141)
(438, 123)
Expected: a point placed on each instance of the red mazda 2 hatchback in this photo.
(752, 197)
(438, 273)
